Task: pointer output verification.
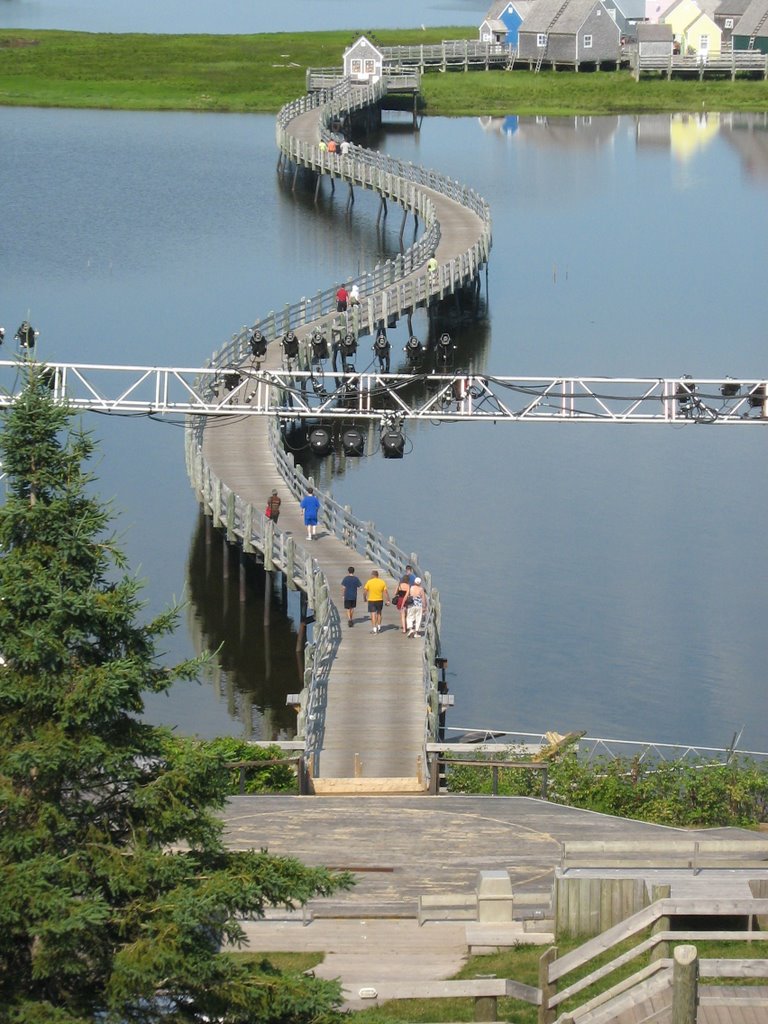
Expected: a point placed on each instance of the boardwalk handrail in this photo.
(363, 538)
(391, 288)
(397, 286)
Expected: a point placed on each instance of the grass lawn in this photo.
(522, 964)
(259, 73)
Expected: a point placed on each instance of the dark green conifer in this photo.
(116, 889)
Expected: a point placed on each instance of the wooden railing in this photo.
(392, 288)
(554, 969)
(248, 525)
(732, 62)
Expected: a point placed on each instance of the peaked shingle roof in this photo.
(648, 33)
(754, 20)
(570, 20)
(733, 8)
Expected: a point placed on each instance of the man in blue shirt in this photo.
(350, 586)
(311, 507)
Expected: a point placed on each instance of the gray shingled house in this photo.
(751, 30)
(654, 40)
(727, 15)
(571, 33)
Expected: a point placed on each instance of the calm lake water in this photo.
(602, 578)
(236, 16)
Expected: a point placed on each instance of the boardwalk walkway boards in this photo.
(374, 718)
(404, 847)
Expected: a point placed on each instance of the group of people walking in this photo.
(410, 599)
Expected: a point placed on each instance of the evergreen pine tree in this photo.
(116, 889)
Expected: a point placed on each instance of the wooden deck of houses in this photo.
(370, 703)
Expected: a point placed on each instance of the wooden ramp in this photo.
(373, 702)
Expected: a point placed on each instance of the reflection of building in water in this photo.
(579, 132)
(690, 133)
(255, 664)
(683, 134)
(748, 134)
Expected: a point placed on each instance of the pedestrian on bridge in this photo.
(342, 298)
(350, 586)
(403, 587)
(311, 507)
(376, 595)
(273, 507)
(416, 606)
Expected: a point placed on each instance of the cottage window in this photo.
(369, 67)
(356, 66)
(587, 42)
(729, 22)
(541, 39)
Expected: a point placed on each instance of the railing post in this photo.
(547, 988)
(685, 984)
(661, 950)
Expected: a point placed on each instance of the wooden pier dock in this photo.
(370, 703)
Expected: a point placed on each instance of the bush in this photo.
(267, 778)
(693, 793)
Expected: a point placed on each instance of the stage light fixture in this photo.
(320, 441)
(392, 443)
(353, 442)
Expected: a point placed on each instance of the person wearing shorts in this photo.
(350, 586)
(311, 507)
(376, 595)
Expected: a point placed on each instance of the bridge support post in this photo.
(685, 984)
(290, 563)
(267, 595)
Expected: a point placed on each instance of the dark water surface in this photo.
(608, 578)
(236, 16)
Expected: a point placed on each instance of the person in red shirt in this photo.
(342, 298)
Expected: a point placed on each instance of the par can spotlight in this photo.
(353, 442)
(320, 441)
(392, 443)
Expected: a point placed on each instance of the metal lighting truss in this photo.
(322, 394)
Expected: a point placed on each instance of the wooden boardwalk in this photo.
(375, 713)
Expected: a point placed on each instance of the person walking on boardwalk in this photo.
(310, 506)
(342, 298)
(272, 510)
(350, 586)
(376, 595)
(416, 606)
(401, 594)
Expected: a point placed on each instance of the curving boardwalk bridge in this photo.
(370, 703)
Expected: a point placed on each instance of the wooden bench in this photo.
(690, 854)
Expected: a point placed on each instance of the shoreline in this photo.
(260, 73)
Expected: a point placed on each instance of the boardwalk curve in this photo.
(370, 703)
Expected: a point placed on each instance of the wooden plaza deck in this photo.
(370, 702)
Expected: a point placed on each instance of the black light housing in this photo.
(231, 380)
(353, 442)
(320, 441)
(319, 346)
(413, 350)
(258, 344)
(757, 397)
(392, 443)
(349, 344)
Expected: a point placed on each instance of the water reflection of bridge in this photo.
(370, 704)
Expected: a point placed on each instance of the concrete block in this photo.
(494, 897)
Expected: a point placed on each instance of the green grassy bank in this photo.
(258, 73)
